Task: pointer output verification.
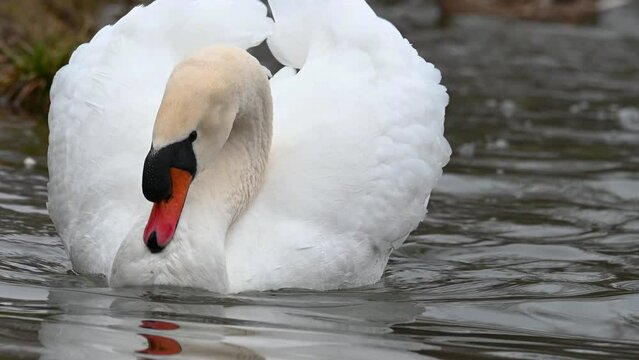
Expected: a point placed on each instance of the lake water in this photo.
(530, 249)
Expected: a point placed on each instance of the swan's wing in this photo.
(361, 125)
(103, 105)
(358, 138)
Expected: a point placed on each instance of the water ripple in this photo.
(529, 250)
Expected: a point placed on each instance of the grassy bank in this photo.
(37, 38)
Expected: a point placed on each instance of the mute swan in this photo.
(310, 187)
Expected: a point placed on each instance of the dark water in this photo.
(530, 249)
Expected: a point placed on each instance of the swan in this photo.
(175, 160)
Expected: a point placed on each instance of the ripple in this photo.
(602, 318)
(523, 251)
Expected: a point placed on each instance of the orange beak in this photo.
(165, 215)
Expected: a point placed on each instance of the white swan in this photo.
(357, 145)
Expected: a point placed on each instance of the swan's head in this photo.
(193, 123)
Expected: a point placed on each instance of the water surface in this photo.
(530, 249)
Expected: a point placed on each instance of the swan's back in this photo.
(103, 106)
(358, 146)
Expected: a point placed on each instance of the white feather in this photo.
(358, 145)
(103, 105)
(357, 141)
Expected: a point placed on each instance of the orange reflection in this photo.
(160, 345)
(158, 325)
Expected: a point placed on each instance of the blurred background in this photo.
(38, 36)
(530, 249)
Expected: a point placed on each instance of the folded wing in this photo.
(103, 106)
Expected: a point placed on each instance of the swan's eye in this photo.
(193, 136)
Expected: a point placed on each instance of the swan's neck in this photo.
(225, 186)
(230, 170)
(235, 177)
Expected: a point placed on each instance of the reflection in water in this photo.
(158, 325)
(529, 251)
(106, 323)
(160, 345)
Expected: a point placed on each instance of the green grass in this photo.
(36, 40)
(34, 64)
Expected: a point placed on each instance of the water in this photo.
(530, 249)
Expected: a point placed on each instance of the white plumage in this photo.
(357, 143)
